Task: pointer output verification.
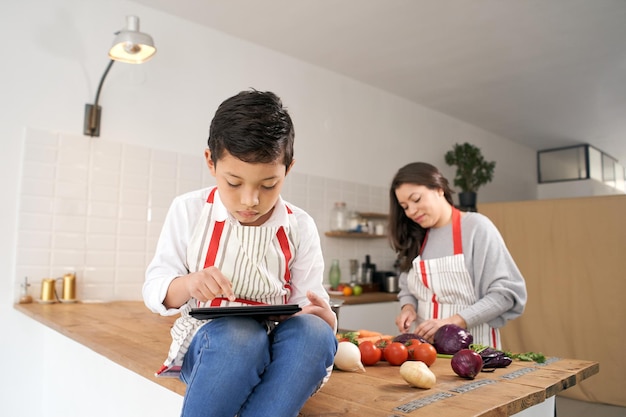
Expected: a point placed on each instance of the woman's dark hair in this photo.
(405, 235)
(254, 127)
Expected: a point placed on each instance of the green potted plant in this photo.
(472, 171)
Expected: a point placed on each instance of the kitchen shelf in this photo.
(354, 235)
(361, 235)
(370, 215)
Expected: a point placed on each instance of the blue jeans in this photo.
(233, 367)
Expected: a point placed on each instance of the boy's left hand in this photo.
(320, 308)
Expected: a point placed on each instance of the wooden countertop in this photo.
(130, 335)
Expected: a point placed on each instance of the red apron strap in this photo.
(456, 231)
(217, 301)
(214, 244)
(211, 196)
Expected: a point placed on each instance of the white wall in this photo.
(53, 61)
(96, 208)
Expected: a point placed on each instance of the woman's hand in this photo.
(203, 285)
(320, 308)
(406, 317)
(428, 328)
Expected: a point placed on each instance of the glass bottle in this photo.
(25, 297)
(339, 217)
(334, 275)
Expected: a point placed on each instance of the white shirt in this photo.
(169, 261)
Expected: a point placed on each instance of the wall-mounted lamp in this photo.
(130, 46)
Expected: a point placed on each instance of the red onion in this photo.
(450, 338)
(466, 363)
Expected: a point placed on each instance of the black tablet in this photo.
(259, 312)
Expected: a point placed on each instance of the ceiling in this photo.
(544, 73)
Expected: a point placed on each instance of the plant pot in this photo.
(467, 199)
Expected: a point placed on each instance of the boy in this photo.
(236, 244)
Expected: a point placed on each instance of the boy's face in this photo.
(249, 191)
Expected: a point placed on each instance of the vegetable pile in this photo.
(414, 355)
(374, 347)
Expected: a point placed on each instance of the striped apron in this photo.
(256, 259)
(444, 287)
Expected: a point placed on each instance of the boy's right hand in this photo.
(208, 284)
(203, 285)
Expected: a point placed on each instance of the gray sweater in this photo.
(498, 284)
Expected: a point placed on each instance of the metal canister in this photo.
(69, 288)
(48, 294)
(391, 283)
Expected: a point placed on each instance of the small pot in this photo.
(391, 283)
(467, 199)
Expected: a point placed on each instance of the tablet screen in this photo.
(259, 311)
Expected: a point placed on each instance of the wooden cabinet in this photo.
(571, 253)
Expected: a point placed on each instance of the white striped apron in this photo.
(443, 287)
(255, 258)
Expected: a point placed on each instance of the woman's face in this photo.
(426, 207)
(248, 190)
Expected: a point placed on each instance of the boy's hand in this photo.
(203, 285)
(320, 308)
(208, 284)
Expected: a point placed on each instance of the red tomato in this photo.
(396, 353)
(411, 345)
(382, 344)
(425, 353)
(370, 354)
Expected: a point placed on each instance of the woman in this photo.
(455, 266)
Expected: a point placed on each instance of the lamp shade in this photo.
(131, 45)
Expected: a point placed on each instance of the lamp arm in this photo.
(92, 111)
(106, 71)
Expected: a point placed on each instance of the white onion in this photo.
(348, 357)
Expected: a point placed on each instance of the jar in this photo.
(353, 221)
(339, 217)
(334, 275)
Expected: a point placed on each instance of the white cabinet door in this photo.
(378, 317)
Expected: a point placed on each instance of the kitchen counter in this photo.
(125, 332)
(128, 334)
(366, 298)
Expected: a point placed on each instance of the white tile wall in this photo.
(96, 207)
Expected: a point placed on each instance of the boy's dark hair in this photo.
(405, 235)
(254, 127)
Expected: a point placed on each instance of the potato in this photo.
(417, 374)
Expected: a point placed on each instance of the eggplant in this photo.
(493, 358)
(405, 337)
